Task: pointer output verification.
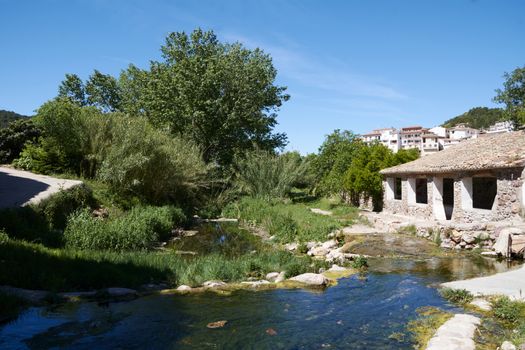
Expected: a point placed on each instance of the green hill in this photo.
(8, 116)
(478, 117)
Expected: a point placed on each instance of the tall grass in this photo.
(287, 222)
(265, 175)
(140, 228)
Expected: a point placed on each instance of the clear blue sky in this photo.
(354, 65)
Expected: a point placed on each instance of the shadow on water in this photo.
(226, 239)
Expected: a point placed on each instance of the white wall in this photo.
(466, 193)
(389, 188)
(437, 199)
(411, 190)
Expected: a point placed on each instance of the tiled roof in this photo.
(490, 152)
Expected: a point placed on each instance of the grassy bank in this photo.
(33, 266)
(292, 222)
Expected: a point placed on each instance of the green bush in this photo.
(360, 263)
(458, 296)
(511, 311)
(4, 238)
(57, 208)
(139, 229)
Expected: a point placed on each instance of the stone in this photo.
(507, 345)
(447, 245)
(311, 279)
(272, 276)
(183, 288)
(120, 292)
(490, 254)
(318, 251)
(337, 268)
(482, 235)
(329, 244)
(255, 283)
(468, 238)
(502, 244)
(291, 246)
(213, 284)
(271, 331)
(481, 304)
(456, 236)
(515, 208)
(281, 277)
(217, 324)
(310, 245)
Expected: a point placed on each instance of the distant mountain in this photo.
(478, 118)
(8, 116)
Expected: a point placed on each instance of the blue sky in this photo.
(354, 65)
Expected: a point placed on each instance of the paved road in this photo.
(18, 188)
(510, 283)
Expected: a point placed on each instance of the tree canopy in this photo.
(221, 96)
(513, 96)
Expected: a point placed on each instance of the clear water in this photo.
(361, 312)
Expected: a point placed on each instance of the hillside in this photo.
(8, 116)
(478, 117)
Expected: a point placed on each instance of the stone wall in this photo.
(508, 201)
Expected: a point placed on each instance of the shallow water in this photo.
(361, 312)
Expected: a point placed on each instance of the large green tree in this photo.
(221, 96)
(334, 157)
(513, 96)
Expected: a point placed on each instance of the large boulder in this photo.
(329, 244)
(468, 238)
(311, 279)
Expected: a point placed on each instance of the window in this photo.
(421, 191)
(484, 191)
(397, 188)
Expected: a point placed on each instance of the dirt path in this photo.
(19, 188)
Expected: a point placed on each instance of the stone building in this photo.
(478, 180)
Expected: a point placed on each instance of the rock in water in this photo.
(311, 279)
(213, 284)
(217, 324)
(183, 288)
(271, 331)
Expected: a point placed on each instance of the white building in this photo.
(410, 137)
(505, 126)
(462, 132)
(387, 136)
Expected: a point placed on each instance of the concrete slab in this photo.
(510, 283)
(455, 334)
(19, 188)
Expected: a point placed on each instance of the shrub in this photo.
(4, 238)
(508, 310)
(458, 296)
(139, 229)
(360, 262)
(150, 164)
(58, 207)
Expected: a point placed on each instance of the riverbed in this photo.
(366, 311)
